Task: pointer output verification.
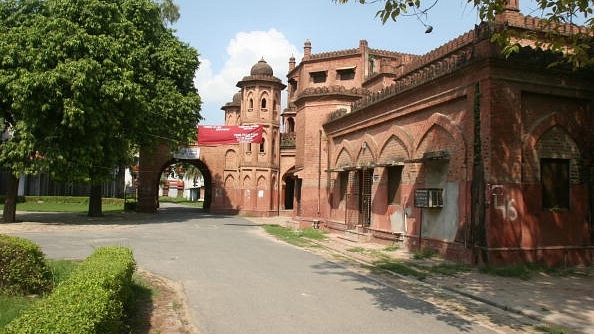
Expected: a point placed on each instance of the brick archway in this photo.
(151, 164)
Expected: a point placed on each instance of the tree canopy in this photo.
(83, 83)
(554, 15)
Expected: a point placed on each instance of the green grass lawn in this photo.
(65, 207)
(80, 204)
(76, 204)
(11, 307)
(180, 200)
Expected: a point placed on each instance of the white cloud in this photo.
(243, 52)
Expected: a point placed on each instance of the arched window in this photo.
(263, 103)
(290, 125)
(274, 146)
(251, 104)
(262, 146)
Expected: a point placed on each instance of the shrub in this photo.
(23, 269)
(91, 300)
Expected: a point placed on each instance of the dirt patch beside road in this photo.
(166, 312)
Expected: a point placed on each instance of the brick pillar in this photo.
(150, 163)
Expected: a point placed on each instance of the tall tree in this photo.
(92, 83)
(18, 153)
(556, 16)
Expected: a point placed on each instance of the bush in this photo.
(92, 300)
(23, 269)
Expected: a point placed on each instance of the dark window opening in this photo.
(262, 145)
(263, 104)
(554, 178)
(293, 86)
(394, 179)
(290, 125)
(318, 77)
(343, 181)
(346, 74)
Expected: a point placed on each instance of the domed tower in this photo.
(232, 110)
(259, 163)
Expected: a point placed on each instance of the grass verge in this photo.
(11, 307)
(140, 305)
(301, 238)
(181, 200)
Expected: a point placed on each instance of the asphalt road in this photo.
(239, 280)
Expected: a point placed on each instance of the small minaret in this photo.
(306, 49)
(510, 13)
(512, 5)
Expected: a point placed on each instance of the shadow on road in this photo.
(388, 298)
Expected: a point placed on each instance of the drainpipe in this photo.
(279, 176)
(421, 229)
(319, 169)
(478, 185)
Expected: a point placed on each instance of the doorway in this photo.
(358, 208)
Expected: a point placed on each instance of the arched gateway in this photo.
(154, 161)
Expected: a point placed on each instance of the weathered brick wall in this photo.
(537, 113)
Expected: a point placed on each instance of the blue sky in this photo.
(233, 35)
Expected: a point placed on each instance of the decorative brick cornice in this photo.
(386, 53)
(333, 90)
(518, 21)
(334, 54)
(269, 78)
(436, 63)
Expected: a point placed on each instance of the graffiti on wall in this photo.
(501, 203)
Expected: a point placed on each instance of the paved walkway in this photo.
(561, 301)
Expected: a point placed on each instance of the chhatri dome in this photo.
(237, 97)
(261, 68)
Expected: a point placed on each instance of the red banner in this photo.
(222, 134)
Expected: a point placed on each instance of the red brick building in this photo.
(483, 158)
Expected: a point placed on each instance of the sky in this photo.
(233, 35)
